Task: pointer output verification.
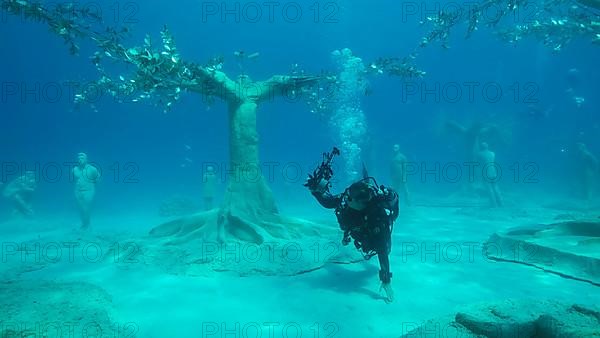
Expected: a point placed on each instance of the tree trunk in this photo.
(248, 211)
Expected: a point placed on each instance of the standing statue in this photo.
(487, 159)
(86, 176)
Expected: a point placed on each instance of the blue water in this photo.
(44, 131)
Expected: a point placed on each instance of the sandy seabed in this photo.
(56, 279)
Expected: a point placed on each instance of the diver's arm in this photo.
(319, 188)
(383, 252)
(326, 199)
(390, 203)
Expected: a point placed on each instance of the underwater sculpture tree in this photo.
(555, 23)
(248, 212)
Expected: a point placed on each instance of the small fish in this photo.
(537, 112)
(187, 147)
(253, 55)
(188, 160)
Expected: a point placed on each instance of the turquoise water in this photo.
(170, 251)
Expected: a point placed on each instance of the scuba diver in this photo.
(365, 212)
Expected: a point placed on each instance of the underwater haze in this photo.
(332, 168)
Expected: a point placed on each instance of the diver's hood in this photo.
(360, 191)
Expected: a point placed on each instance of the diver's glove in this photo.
(316, 184)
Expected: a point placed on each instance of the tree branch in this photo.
(284, 85)
(212, 82)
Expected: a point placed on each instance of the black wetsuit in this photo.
(371, 228)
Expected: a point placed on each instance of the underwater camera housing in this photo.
(323, 173)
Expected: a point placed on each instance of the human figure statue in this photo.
(487, 161)
(471, 137)
(589, 167)
(86, 176)
(209, 187)
(398, 173)
(20, 191)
